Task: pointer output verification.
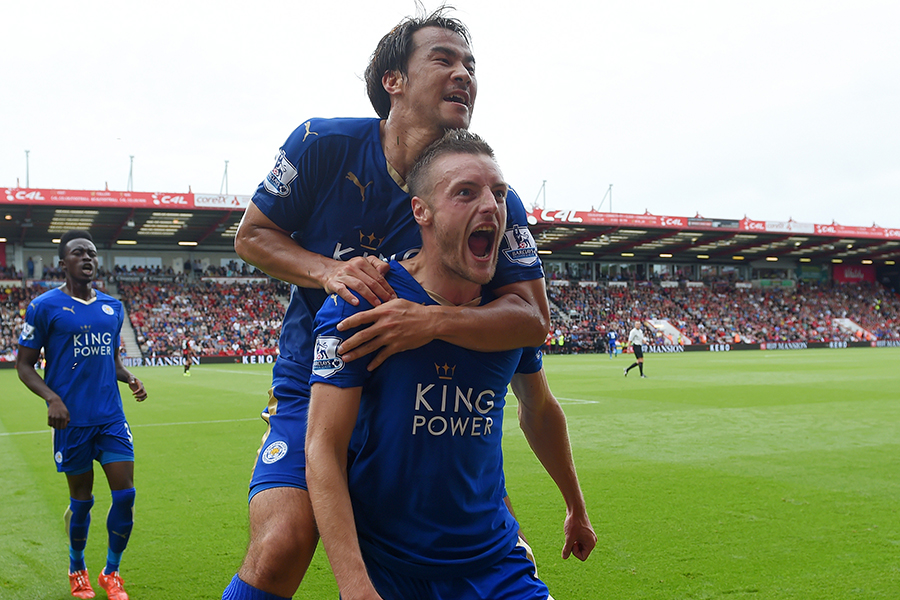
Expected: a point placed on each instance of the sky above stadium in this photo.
(773, 109)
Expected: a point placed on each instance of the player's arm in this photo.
(57, 412)
(519, 317)
(268, 247)
(332, 415)
(125, 376)
(544, 424)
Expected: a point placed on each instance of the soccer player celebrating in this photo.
(424, 429)
(78, 327)
(636, 341)
(335, 205)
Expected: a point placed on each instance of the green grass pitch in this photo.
(764, 475)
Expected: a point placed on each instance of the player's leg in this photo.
(72, 450)
(117, 458)
(283, 538)
(283, 533)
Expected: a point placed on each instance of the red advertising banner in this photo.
(854, 273)
(105, 199)
(573, 217)
(96, 198)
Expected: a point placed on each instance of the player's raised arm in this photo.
(265, 245)
(332, 415)
(544, 424)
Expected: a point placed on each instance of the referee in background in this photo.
(636, 341)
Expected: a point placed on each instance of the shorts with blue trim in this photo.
(76, 448)
(281, 459)
(512, 578)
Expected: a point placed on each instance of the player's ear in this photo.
(392, 82)
(421, 211)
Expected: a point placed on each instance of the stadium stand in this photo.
(227, 316)
(720, 312)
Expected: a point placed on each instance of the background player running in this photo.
(421, 444)
(78, 327)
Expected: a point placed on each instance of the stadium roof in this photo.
(155, 221)
(572, 236)
(161, 221)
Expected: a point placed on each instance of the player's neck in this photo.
(437, 281)
(78, 289)
(403, 142)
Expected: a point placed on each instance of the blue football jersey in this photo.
(79, 340)
(425, 460)
(333, 189)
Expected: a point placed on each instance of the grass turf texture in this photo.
(768, 475)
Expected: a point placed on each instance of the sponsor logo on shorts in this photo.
(108, 309)
(326, 361)
(274, 452)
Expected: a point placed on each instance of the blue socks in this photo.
(239, 590)
(119, 524)
(78, 521)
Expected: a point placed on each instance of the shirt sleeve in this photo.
(328, 366)
(532, 361)
(33, 330)
(287, 194)
(518, 260)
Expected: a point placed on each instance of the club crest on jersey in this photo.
(326, 361)
(279, 179)
(274, 452)
(519, 246)
(108, 309)
(27, 332)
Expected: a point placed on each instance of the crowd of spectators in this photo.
(720, 312)
(13, 302)
(244, 317)
(219, 318)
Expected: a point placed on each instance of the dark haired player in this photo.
(332, 209)
(78, 327)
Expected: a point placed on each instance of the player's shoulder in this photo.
(316, 131)
(48, 298)
(107, 299)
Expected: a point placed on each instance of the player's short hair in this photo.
(393, 51)
(73, 234)
(454, 141)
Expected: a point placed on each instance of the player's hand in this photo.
(137, 388)
(395, 326)
(57, 413)
(580, 536)
(365, 276)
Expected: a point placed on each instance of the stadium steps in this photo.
(132, 348)
(855, 329)
(669, 331)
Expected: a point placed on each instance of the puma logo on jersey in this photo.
(362, 188)
(70, 309)
(308, 132)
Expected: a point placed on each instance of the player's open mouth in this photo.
(481, 241)
(459, 98)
